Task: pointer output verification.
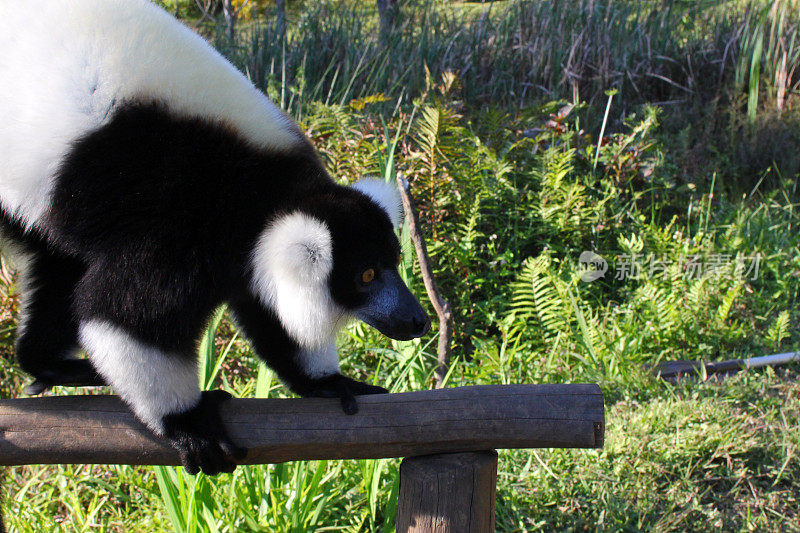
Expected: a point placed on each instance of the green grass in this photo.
(721, 455)
(509, 224)
(511, 189)
(727, 70)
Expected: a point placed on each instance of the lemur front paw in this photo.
(344, 388)
(200, 437)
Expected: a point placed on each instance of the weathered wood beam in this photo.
(100, 429)
(447, 493)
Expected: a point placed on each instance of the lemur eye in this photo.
(368, 275)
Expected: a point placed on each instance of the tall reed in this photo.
(528, 51)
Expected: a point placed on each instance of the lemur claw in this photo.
(200, 438)
(344, 388)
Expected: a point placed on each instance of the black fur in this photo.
(152, 222)
(49, 339)
(279, 351)
(48, 333)
(165, 212)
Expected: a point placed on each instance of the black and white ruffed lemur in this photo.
(144, 181)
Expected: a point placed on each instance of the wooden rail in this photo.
(100, 429)
(450, 423)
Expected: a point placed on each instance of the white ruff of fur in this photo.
(320, 363)
(384, 194)
(68, 64)
(152, 383)
(291, 265)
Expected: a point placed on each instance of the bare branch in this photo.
(239, 10)
(440, 304)
(206, 11)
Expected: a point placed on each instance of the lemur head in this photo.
(336, 257)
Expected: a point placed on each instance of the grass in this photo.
(720, 455)
(724, 67)
(520, 161)
(518, 52)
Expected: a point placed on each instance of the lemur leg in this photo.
(143, 344)
(306, 372)
(162, 390)
(47, 338)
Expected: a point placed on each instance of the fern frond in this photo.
(724, 309)
(779, 329)
(535, 297)
(664, 304)
(694, 299)
(433, 131)
(468, 230)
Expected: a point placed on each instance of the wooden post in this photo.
(447, 493)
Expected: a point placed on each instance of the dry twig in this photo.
(440, 305)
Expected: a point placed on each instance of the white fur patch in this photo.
(151, 382)
(384, 194)
(320, 363)
(291, 264)
(66, 64)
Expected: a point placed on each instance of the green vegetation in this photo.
(493, 112)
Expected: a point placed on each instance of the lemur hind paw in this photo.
(200, 438)
(344, 388)
(67, 373)
(36, 387)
